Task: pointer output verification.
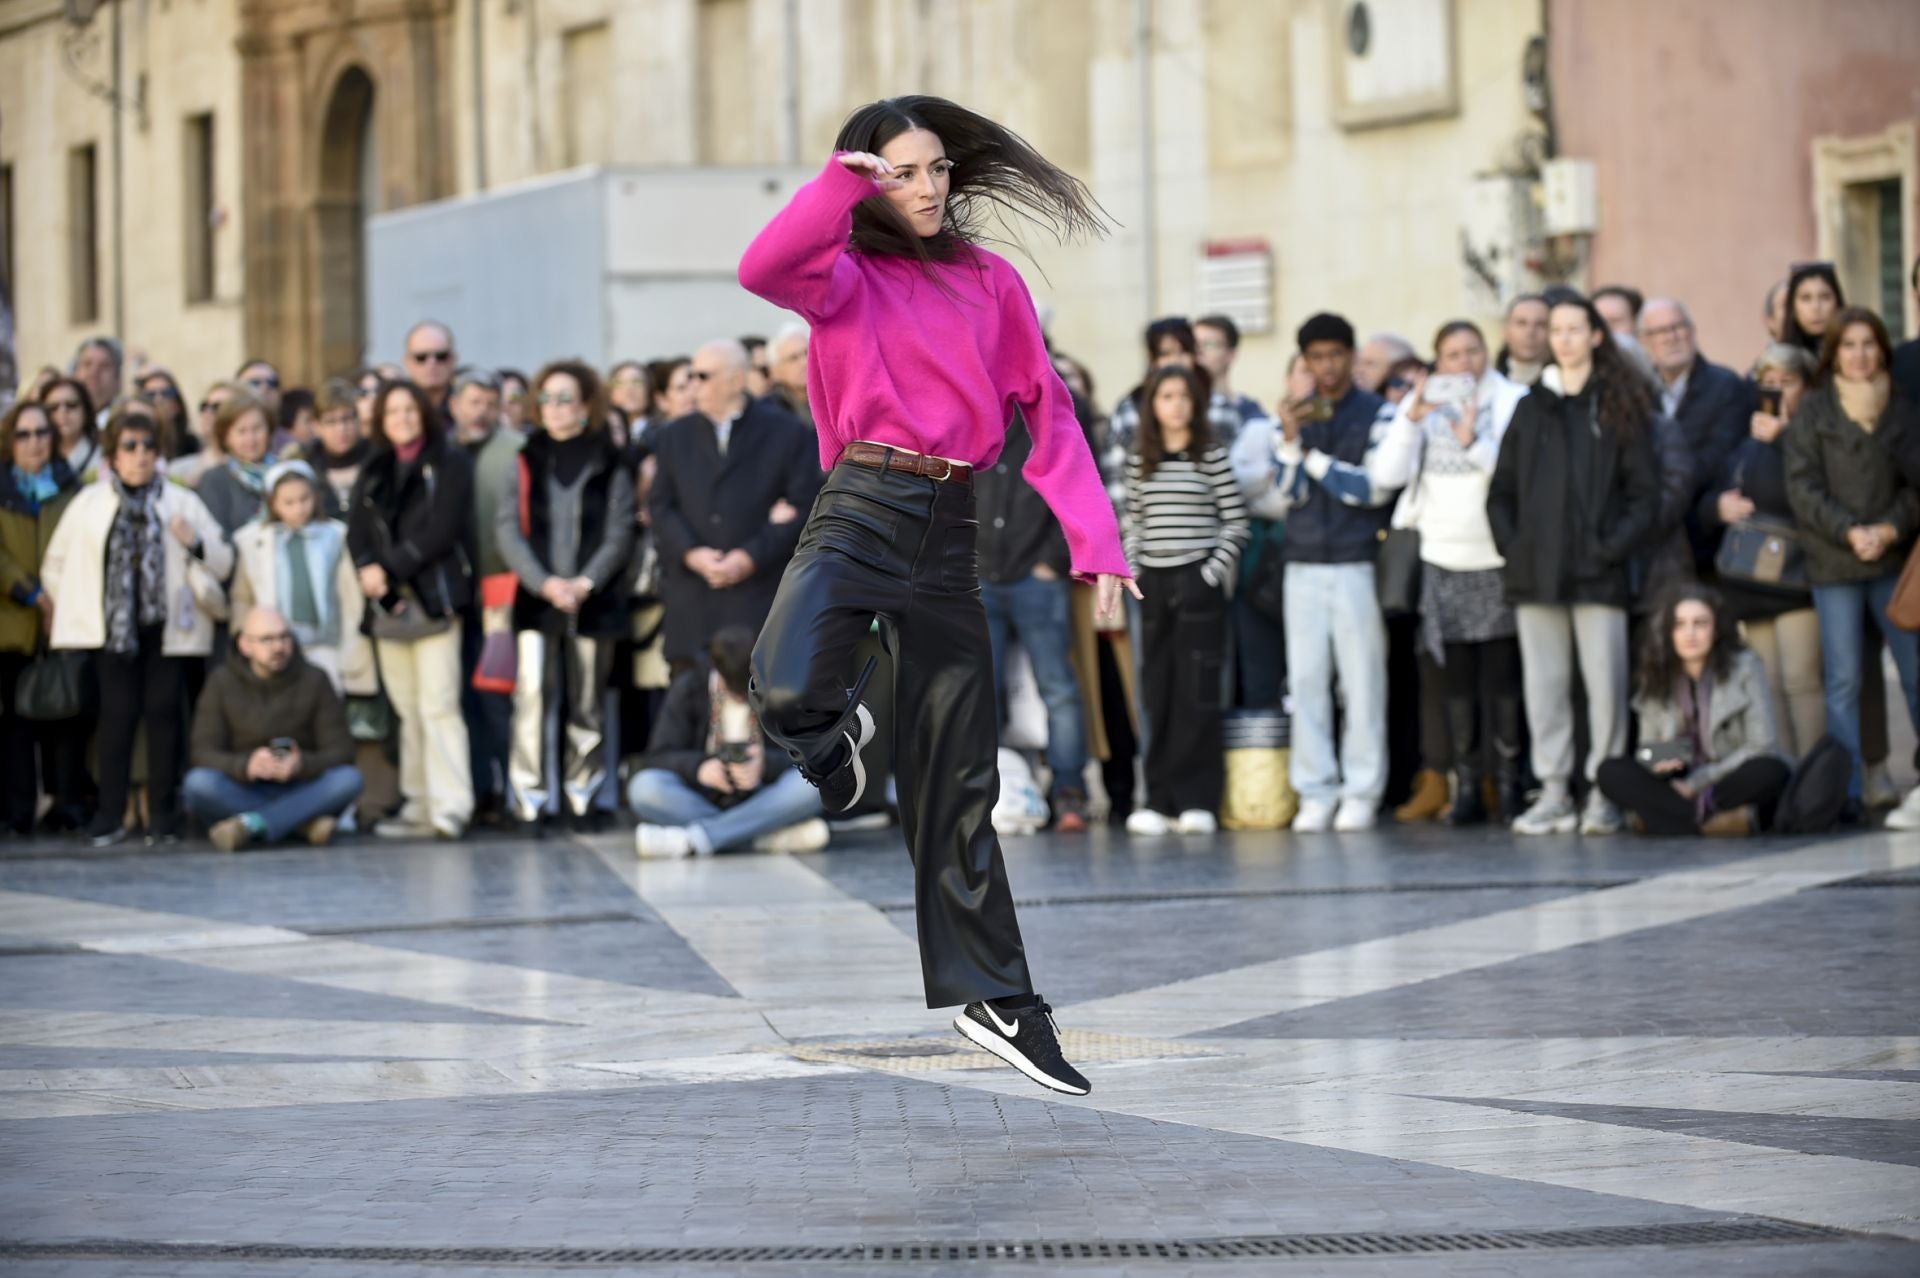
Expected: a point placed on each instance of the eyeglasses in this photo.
(139, 444)
(559, 397)
(160, 392)
(38, 432)
(430, 357)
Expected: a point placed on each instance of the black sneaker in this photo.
(1026, 1040)
(841, 788)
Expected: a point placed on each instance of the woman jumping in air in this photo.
(924, 344)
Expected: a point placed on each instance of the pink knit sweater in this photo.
(897, 360)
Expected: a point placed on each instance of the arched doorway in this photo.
(349, 193)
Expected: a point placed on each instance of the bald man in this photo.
(735, 476)
(270, 748)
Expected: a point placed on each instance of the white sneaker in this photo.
(1907, 815)
(1198, 821)
(1879, 790)
(1355, 815)
(1601, 817)
(1548, 815)
(1314, 817)
(1021, 808)
(1148, 824)
(806, 836)
(662, 842)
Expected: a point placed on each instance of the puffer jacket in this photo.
(1840, 476)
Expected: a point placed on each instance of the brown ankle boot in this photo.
(1735, 823)
(1428, 800)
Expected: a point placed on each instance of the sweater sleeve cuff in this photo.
(1288, 452)
(848, 187)
(1318, 464)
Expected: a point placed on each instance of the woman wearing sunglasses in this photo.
(36, 485)
(134, 571)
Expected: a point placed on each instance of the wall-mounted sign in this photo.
(1236, 280)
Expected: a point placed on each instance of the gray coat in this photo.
(1740, 721)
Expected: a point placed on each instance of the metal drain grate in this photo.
(1689, 1234)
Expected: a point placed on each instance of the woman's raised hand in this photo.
(872, 166)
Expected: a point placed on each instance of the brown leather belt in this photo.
(881, 457)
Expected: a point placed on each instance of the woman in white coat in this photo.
(1440, 451)
(134, 571)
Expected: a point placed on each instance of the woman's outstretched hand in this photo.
(1106, 596)
(872, 166)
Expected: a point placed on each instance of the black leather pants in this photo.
(901, 548)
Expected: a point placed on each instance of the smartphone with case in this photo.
(1770, 400)
(1448, 388)
(1655, 753)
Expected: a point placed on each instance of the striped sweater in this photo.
(1188, 511)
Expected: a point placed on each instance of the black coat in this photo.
(1714, 414)
(1018, 530)
(1569, 512)
(412, 520)
(701, 498)
(1839, 475)
(679, 741)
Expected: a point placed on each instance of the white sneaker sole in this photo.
(1559, 825)
(998, 1046)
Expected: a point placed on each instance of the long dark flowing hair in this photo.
(1151, 446)
(1626, 397)
(1660, 666)
(996, 175)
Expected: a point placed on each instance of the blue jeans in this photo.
(1843, 623)
(283, 806)
(1334, 627)
(1037, 613)
(660, 797)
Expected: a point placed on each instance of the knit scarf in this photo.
(1863, 402)
(136, 589)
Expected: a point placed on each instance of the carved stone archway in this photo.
(347, 193)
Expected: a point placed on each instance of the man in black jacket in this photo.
(710, 780)
(1026, 585)
(1712, 405)
(735, 479)
(271, 750)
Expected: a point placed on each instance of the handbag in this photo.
(1903, 610)
(1396, 568)
(499, 666)
(370, 718)
(1765, 554)
(56, 685)
(408, 625)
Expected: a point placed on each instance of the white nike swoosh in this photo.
(1010, 1028)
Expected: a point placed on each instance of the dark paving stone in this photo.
(1872, 1139)
(1866, 1075)
(1814, 963)
(849, 1158)
(642, 950)
(143, 983)
(360, 885)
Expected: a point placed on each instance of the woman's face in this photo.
(159, 392)
(1173, 409)
(563, 410)
(69, 417)
(338, 431)
(1572, 337)
(137, 458)
(400, 419)
(922, 176)
(1789, 384)
(247, 439)
(1814, 303)
(1692, 630)
(1462, 352)
(628, 391)
(513, 402)
(1859, 354)
(680, 392)
(32, 439)
(292, 502)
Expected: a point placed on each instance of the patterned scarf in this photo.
(252, 475)
(136, 593)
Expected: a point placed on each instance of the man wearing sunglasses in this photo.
(430, 363)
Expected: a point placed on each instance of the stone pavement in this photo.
(1414, 1052)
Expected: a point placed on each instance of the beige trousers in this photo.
(422, 679)
(1789, 647)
